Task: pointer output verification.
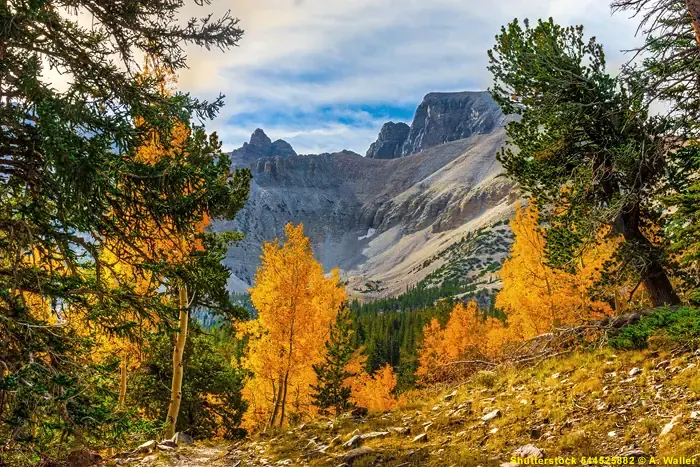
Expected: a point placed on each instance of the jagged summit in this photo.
(383, 217)
(261, 145)
(259, 140)
(390, 142)
(440, 118)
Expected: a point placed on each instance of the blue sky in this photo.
(326, 74)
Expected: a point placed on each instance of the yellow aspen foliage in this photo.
(536, 297)
(432, 353)
(296, 304)
(374, 392)
(467, 335)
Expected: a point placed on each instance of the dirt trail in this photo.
(210, 455)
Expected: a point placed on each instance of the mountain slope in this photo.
(378, 219)
(630, 404)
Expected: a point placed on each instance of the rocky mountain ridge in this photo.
(441, 117)
(378, 218)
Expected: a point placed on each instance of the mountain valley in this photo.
(394, 216)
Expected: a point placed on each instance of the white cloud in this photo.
(366, 52)
(303, 57)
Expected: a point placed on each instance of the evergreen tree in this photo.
(670, 72)
(585, 148)
(331, 390)
(72, 184)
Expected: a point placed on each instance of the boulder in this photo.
(169, 443)
(421, 438)
(183, 439)
(635, 371)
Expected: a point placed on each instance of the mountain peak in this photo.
(260, 145)
(449, 116)
(441, 117)
(389, 142)
(260, 140)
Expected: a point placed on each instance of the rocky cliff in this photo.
(260, 145)
(390, 141)
(380, 218)
(441, 117)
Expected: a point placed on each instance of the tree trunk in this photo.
(658, 286)
(284, 397)
(694, 11)
(276, 406)
(653, 275)
(176, 387)
(122, 383)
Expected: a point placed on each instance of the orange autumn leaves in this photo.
(296, 305)
(375, 392)
(467, 335)
(535, 299)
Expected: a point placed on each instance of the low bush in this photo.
(678, 326)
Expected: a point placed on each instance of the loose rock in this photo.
(529, 451)
(183, 439)
(374, 434)
(635, 453)
(146, 447)
(669, 426)
(353, 442)
(352, 456)
(491, 415)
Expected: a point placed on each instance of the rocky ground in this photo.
(593, 403)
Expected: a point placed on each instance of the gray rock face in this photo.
(390, 141)
(449, 116)
(374, 218)
(260, 145)
(441, 117)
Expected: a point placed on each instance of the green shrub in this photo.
(212, 404)
(677, 326)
